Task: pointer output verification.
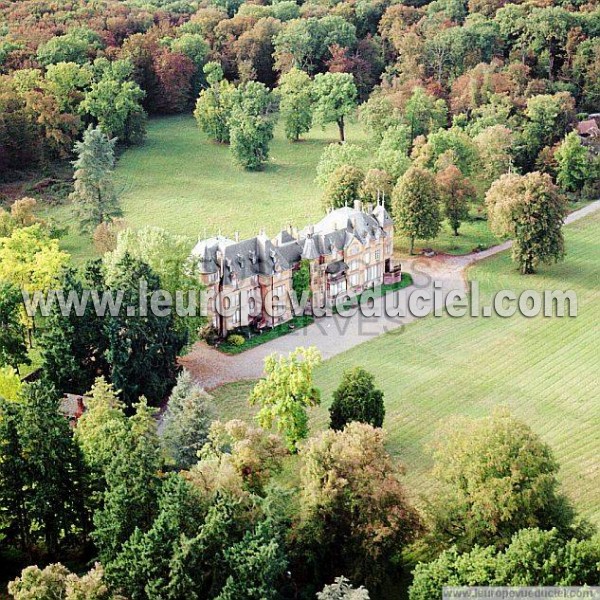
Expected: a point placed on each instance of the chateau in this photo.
(349, 250)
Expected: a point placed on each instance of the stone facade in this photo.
(249, 281)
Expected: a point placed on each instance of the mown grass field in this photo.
(181, 181)
(544, 369)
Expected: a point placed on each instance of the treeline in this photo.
(68, 65)
(200, 508)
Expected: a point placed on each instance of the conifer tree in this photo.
(94, 194)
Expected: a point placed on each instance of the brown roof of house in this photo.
(588, 127)
(71, 406)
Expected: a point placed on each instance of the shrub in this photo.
(236, 340)
(208, 334)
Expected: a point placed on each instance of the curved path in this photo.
(336, 334)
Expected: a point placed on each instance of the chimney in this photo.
(236, 236)
(357, 205)
(370, 207)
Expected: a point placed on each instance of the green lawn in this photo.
(181, 181)
(473, 234)
(545, 370)
(188, 185)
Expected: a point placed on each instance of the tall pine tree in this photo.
(94, 194)
(43, 479)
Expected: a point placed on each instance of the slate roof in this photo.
(337, 266)
(261, 256)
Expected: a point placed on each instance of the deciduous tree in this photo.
(495, 477)
(343, 187)
(352, 499)
(31, 261)
(415, 205)
(530, 209)
(337, 155)
(452, 142)
(174, 72)
(114, 102)
(456, 192)
(214, 104)
(335, 98)
(574, 164)
(392, 154)
(495, 149)
(377, 186)
(238, 458)
(251, 125)
(548, 119)
(423, 113)
(534, 557)
(296, 104)
(286, 392)
(10, 383)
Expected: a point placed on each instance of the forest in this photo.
(471, 110)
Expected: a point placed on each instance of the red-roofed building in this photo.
(588, 128)
(71, 407)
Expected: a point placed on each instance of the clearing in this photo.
(181, 181)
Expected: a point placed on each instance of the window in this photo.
(337, 288)
(353, 265)
(236, 318)
(372, 272)
(355, 279)
(353, 250)
(213, 277)
(377, 255)
(367, 257)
